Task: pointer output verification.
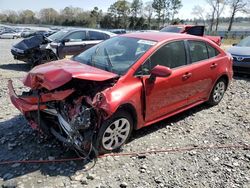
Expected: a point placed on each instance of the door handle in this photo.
(186, 75)
(214, 65)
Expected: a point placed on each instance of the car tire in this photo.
(114, 132)
(217, 92)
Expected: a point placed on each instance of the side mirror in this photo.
(160, 71)
(65, 40)
(234, 44)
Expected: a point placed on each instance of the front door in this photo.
(165, 95)
(75, 44)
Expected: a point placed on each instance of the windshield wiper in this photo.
(92, 57)
(109, 60)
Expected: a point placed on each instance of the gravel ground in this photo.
(227, 123)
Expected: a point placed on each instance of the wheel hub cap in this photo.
(116, 134)
(219, 91)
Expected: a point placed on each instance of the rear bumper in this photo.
(30, 103)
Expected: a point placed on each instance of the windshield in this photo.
(58, 36)
(116, 54)
(245, 42)
(172, 29)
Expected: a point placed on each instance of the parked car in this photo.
(9, 35)
(19, 31)
(75, 41)
(127, 82)
(197, 30)
(241, 56)
(30, 33)
(40, 49)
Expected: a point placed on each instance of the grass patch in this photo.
(230, 41)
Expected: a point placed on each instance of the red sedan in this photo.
(99, 97)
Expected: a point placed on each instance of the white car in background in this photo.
(9, 35)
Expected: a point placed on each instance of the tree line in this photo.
(120, 14)
(214, 9)
(131, 15)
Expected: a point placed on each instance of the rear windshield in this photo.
(172, 29)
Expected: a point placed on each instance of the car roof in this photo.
(184, 25)
(89, 29)
(161, 36)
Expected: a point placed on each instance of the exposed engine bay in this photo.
(73, 120)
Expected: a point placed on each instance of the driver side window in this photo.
(171, 55)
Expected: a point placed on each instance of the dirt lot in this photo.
(225, 124)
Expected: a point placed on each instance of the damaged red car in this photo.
(96, 99)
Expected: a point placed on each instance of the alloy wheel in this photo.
(116, 134)
(219, 91)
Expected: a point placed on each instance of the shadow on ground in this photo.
(15, 67)
(19, 142)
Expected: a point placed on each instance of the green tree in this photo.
(96, 14)
(27, 17)
(48, 15)
(159, 6)
(107, 22)
(175, 6)
(11, 16)
(120, 11)
(149, 10)
(135, 9)
(235, 7)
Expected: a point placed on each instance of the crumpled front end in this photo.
(35, 101)
(71, 112)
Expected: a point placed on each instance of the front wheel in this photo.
(114, 132)
(217, 92)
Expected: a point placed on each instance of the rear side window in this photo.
(198, 51)
(94, 35)
(106, 36)
(212, 52)
(171, 55)
(77, 36)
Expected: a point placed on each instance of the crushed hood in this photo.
(55, 74)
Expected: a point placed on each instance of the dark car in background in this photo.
(241, 56)
(30, 33)
(40, 49)
(74, 41)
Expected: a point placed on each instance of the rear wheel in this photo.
(114, 132)
(217, 92)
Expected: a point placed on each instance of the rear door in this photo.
(95, 37)
(203, 67)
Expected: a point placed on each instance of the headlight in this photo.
(17, 50)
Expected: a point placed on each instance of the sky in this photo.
(36, 5)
